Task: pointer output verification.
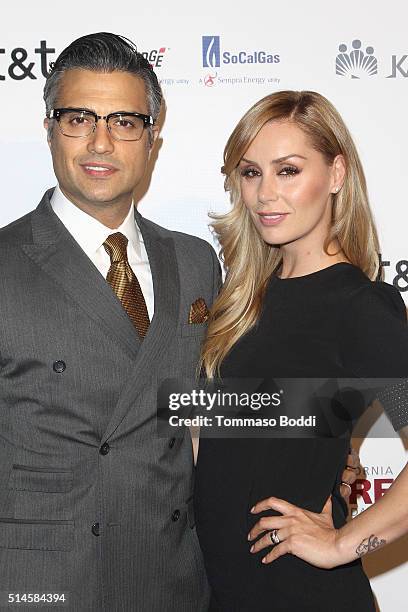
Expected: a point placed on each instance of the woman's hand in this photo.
(352, 471)
(308, 535)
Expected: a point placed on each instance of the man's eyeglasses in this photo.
(80, 123)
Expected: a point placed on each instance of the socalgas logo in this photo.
(214, 56)
(357, 61)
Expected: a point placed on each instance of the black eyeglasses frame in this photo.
(56, 113)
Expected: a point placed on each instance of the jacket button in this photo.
(59, 366)
(175, 516)
(172, 442)
(95, 529)
(105, 448)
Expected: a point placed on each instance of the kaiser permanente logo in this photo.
(214, 56)
(357, 60)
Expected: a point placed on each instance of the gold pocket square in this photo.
(199, 312)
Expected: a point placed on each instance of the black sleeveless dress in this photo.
(332, 323)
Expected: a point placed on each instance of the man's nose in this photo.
(100, 141)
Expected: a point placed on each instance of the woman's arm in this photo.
(313, 538)
(382, 523)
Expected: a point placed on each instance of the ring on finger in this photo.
(346, 484)
(274, 537)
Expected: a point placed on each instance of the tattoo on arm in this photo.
(368, 545)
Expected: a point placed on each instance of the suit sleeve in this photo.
(374, 345)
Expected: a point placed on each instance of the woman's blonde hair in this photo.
(248, 260)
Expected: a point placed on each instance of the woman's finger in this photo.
(267, 523)
(327, 508)
(273, 503)
(353, 459)
(266, 540)
(349, 476)
(277, 551)
(345, 490)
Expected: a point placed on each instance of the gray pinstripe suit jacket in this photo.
(74, 376)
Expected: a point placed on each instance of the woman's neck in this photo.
(296, 262)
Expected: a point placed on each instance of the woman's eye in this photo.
(289, 171)
(250, 172)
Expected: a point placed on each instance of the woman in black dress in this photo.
(299, 300)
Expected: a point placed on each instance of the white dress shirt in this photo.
(90, 234)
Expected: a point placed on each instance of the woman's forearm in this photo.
(382, 523)
(312, 536)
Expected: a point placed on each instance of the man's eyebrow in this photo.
(81, 108)
(275, 161)
(93, 111)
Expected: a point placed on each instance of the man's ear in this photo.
(155, 130)
(46, 124)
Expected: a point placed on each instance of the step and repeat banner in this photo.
(214, 60)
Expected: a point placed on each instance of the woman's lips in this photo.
(269, 219)
(98, 170)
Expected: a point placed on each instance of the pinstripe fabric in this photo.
(124, 282)
(55, 483)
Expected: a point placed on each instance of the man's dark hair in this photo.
(104, 52)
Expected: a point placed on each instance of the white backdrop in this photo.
(206, 93)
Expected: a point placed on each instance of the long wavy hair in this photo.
(248, 260)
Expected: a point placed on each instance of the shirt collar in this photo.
(89, 233)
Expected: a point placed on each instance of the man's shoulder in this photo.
(193, 245)
(17, 232)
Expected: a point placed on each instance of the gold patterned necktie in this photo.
(124, 282)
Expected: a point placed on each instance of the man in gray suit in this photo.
(97, 305)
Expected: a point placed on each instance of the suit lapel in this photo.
(60, 256)
(164, 268)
